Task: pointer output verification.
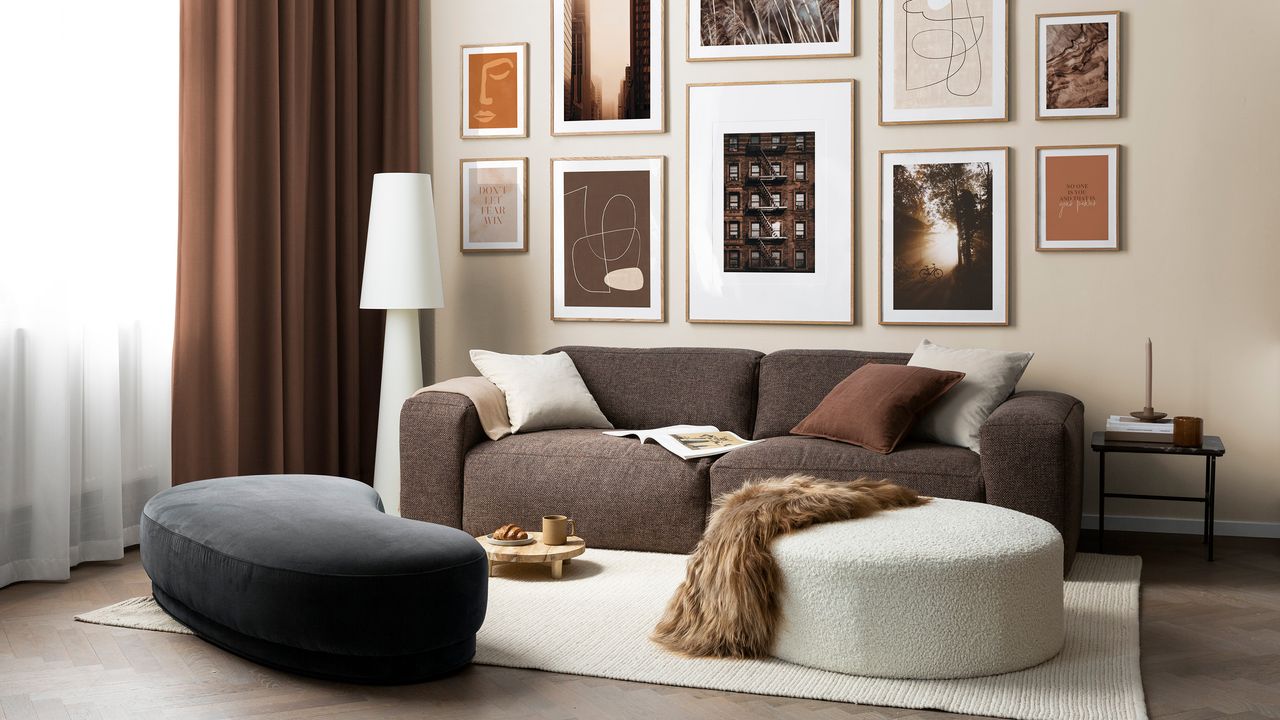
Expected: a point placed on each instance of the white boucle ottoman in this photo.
(946, 590)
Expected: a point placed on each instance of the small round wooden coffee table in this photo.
(535, 552)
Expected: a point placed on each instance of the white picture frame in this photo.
(904, 297)
(1045, 23)
(567, 17)
(1073, 194)
(932, 90)
(469, 127)
(501, 198)
(823, 292)
(698, 49)
(637, 281)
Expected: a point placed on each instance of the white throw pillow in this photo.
(989, 378)
(543, 391)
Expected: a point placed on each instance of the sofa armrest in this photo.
(437, 430)
(1032, 460)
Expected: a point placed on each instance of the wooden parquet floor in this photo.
(1210, 649)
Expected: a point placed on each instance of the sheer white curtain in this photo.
(88, 238)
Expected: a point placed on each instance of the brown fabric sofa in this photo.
(629, 496)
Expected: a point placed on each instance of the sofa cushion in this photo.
(876, 405)
(793, 382)
(647, 388)
(622, 494)
(931, 469)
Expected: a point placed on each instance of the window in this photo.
(755, 229)
(777, 257)
(777, 139)
(733, 171)
(800, 198)
(735, 259)
(801, 169)
(755, 258)
(800, 228)
(755, 199)
(802, 258)
(733, 229)
(733, 201)
(776, 226)
(777, 199)
(755, 169)
(733, 142)
(777, 168)
(800, 141)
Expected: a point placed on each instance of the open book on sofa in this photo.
(688, 441)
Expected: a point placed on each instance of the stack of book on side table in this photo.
(1124, 428)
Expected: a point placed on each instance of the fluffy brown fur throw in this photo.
(727, 605)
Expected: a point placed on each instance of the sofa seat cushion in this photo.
(623, 494)
(931, 469)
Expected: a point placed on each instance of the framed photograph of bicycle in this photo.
(749, 29)
(608, 72)
(494, 204)
(1078, 197)
(944, 236)
(607, 230)
(495, 91)
(944, 61)
(1077, 65)
(769, 212)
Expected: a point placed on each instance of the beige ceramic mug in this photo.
(557, 528)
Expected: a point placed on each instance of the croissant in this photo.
(510, 531)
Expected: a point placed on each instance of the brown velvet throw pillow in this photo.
(876, 405)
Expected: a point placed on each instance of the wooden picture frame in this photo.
(945, 93)
(795, 118)
(493, 216)
(815, 44)
(1085, 80)
(929, 284)
(638, 101)
(495, 91)
(630, 212)
(1073, 193)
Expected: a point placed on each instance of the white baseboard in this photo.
(1184, 526)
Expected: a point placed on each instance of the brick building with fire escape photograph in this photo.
(768, 202)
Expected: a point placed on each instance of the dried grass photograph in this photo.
(769, 22)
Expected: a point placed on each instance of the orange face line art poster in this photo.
(492, 91)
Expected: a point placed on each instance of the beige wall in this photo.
(1200, 272)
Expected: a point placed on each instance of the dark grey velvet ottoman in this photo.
(306, 573)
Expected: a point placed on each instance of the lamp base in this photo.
(1147, 414)
(401, 377)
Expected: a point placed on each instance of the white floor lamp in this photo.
(401, 275)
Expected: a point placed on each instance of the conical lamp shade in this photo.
(402, 257)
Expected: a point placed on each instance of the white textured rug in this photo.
(596, 621)
(141, 613)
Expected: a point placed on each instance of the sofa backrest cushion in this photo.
(639, 388)
(793, 382)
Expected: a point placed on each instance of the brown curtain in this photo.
(288, 108)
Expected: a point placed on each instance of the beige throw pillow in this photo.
(543, 392)
(990, 376)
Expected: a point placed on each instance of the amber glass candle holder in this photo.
(1188, 431)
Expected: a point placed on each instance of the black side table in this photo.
(1211, 450)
